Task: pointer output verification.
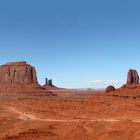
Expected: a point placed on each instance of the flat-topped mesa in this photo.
(132, 77)
(18, 73)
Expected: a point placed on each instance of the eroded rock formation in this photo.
(110, 89)
(49, 84)
(132, 77)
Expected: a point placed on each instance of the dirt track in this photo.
(28, 116)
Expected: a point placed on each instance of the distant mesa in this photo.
(110, 89)
(49, 84)
(132, 77)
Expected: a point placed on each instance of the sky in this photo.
(77, 43)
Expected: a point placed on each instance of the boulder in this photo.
(110, 89)
(132, 77)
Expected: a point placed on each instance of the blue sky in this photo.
(77, 43)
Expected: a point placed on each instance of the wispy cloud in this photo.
(104, 83)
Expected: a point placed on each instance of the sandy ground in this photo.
(71, 115)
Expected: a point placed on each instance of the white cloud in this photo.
(104, 83)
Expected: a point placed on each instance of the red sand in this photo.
(71, 115)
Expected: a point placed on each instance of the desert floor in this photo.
(71, 115)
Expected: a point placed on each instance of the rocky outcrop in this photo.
(132, 77)
(110, 89)
(17, 73)
(49, 84)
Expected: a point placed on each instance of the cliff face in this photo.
(17, 73)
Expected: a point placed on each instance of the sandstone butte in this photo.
(19, 77)
(17, 73)
(132, 77)
(131, 88)
(49, 85)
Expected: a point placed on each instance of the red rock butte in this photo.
(132, 86)
(132, 77)
(18, 73)
(19, 77)
(49, 85)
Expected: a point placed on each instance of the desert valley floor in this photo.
(69, 115)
